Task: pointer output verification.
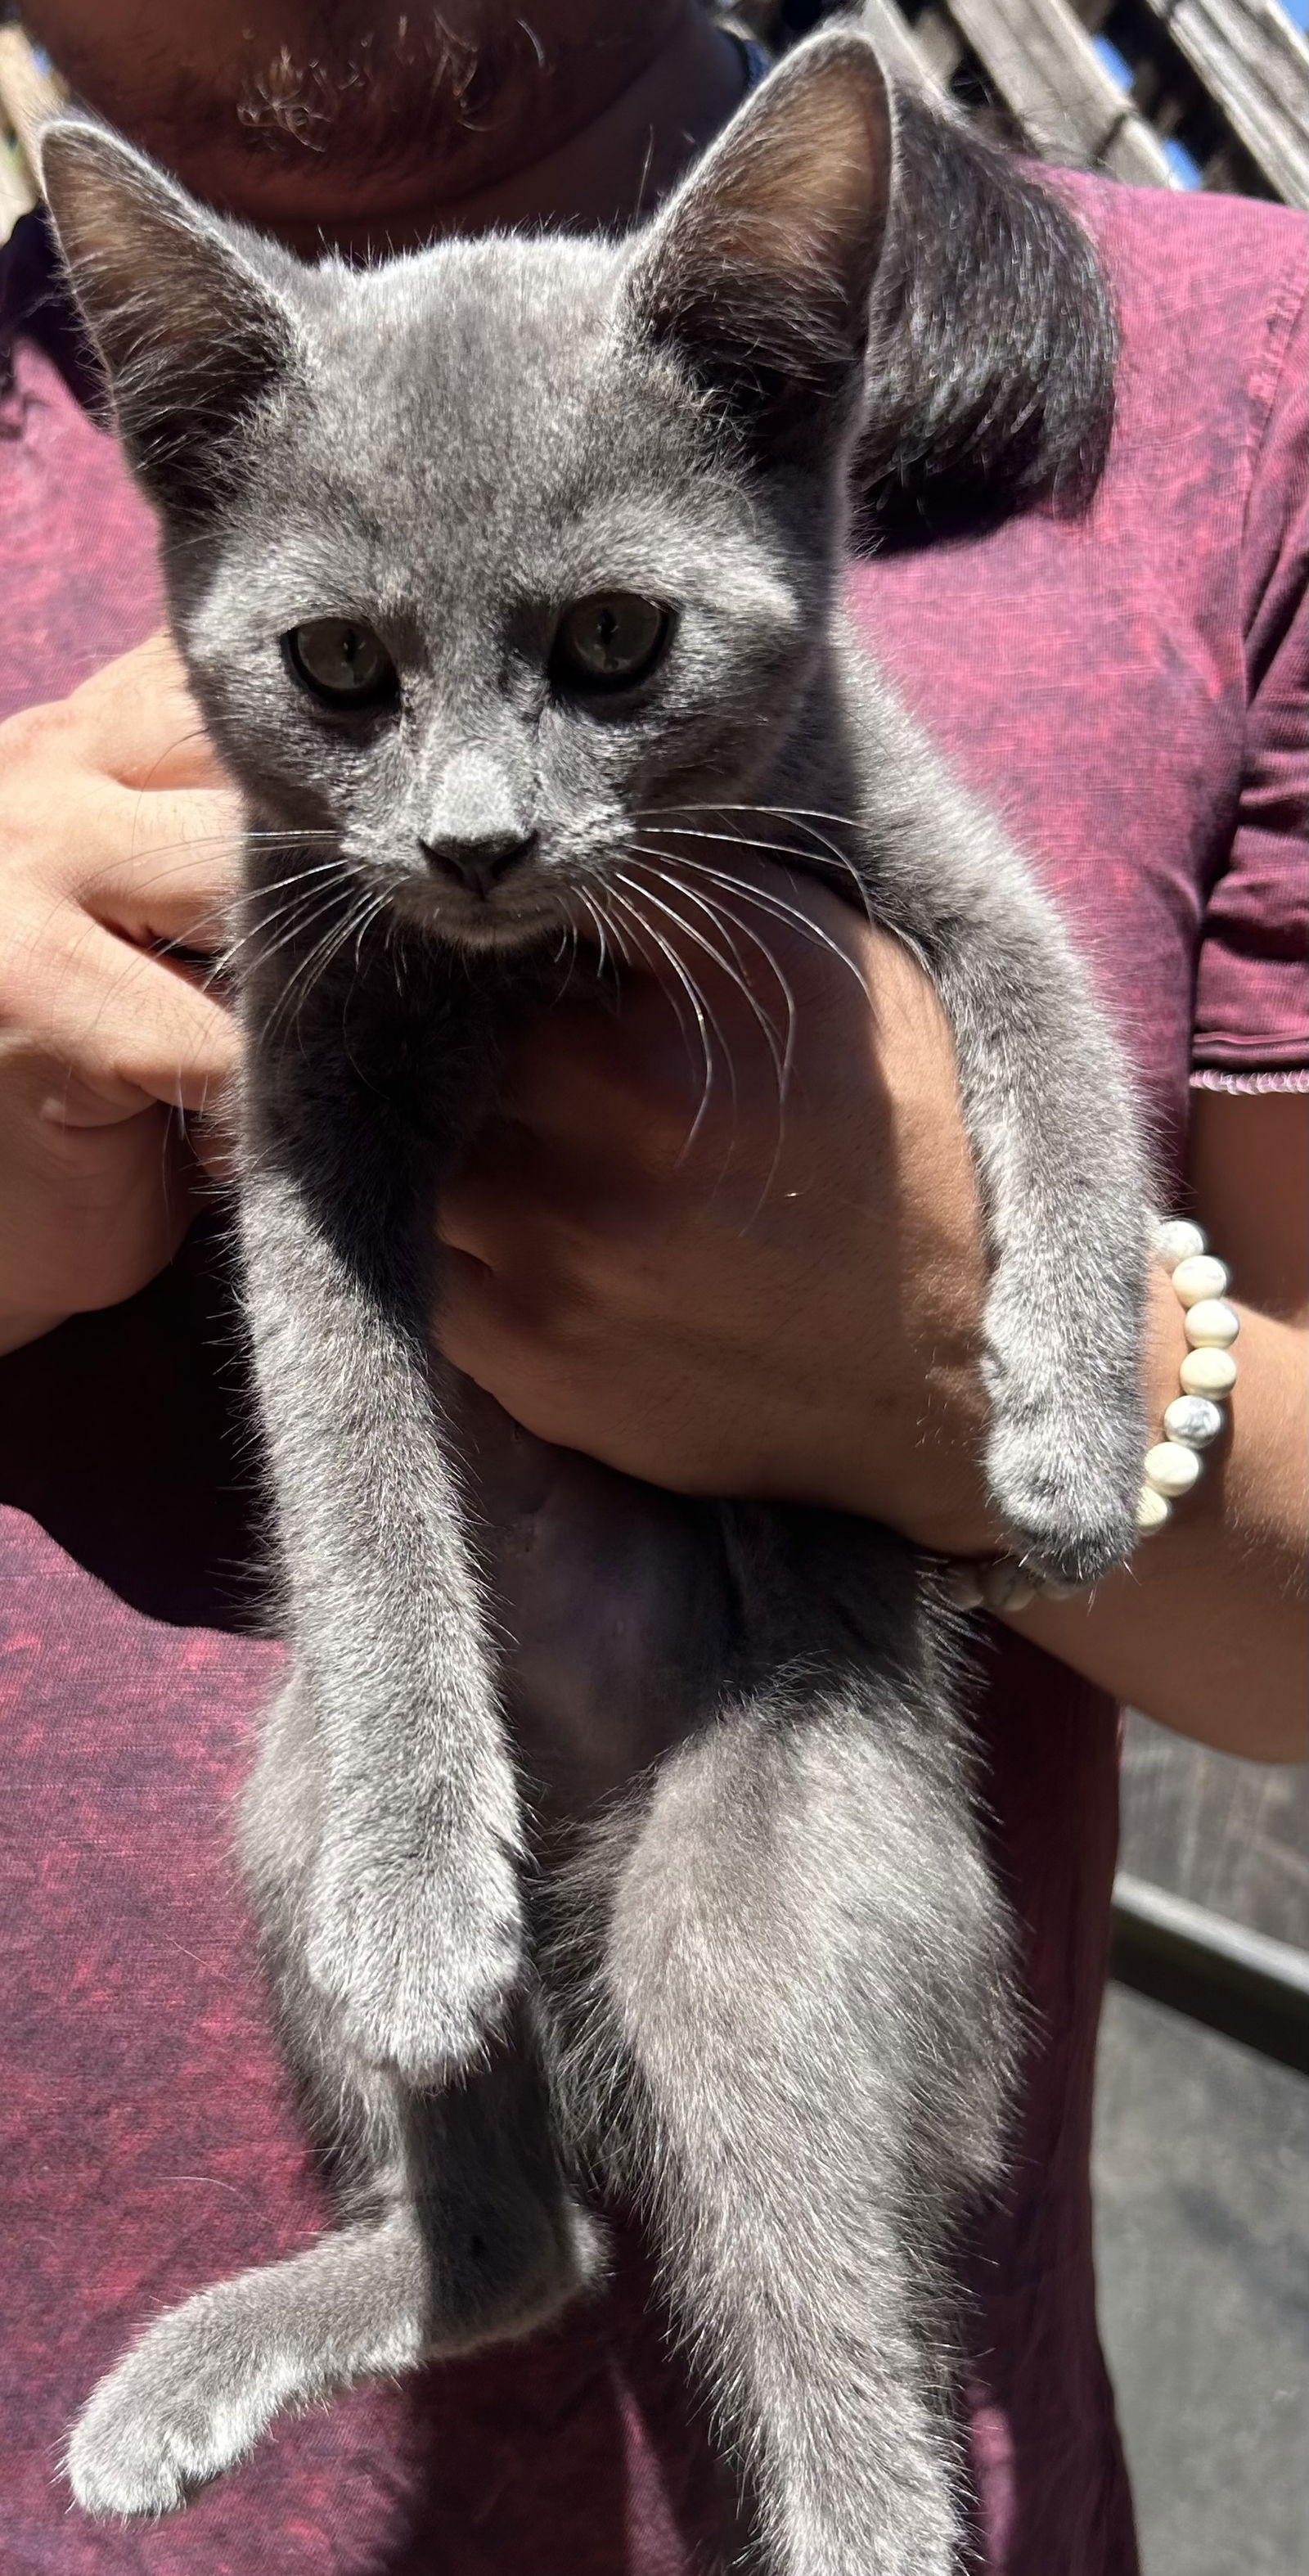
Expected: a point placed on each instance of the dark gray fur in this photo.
(764, 1987)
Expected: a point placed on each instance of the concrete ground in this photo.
(1202, 2198)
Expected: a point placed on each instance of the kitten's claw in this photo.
(418, 1967)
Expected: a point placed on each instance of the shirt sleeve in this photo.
(1252, 988)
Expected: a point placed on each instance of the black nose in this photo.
(479, 862)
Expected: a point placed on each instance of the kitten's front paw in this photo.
(181, 2408)
(418, 1963)
(1069, 1509)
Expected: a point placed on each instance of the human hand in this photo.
(744, 1305)
(116, 831)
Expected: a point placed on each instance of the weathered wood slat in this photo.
(1046, 70)
(881, 20)
(1255, 64)
(16, 191)
(27, 96)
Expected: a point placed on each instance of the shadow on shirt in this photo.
(130, 1436)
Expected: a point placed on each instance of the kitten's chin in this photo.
(482, 927)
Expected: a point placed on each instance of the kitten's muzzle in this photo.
(479, 862)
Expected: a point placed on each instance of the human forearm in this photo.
(1207, 1630)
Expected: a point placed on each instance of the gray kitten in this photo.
(490, 565)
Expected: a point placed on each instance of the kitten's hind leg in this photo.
(205, 2381)
(482, 2244)
(799, 1994)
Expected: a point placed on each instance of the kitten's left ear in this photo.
(190, 328)
(759, 274)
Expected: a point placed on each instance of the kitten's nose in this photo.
(475, 829)
(478, 861)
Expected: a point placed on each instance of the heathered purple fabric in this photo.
(1134, 693)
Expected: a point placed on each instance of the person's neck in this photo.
(629, 140)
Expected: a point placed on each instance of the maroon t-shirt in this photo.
(1132, 693)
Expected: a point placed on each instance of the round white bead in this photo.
(1194, 1419)
(1171, 1468)
(1179, 1240)
(1201, 1276)
(1212, 1325)
(1152, 1510)
(1208, 1372)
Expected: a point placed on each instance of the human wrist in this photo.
(918, 1463)
(1163, 1348)
(1187, 1372)
(1206, 1629)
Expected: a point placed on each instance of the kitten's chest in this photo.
(613, 1603)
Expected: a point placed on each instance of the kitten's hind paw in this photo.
(169, 2418)
(419, 1965)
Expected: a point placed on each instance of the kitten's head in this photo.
(494, 562)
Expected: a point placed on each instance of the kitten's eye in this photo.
(341, 662)
(608, 642)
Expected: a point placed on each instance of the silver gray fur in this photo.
(763, 1985)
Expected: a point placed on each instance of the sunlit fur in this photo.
(763, 1990)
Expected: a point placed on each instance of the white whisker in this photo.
(781, 1056)
(703, 1022)
(782, 1061)
(598, 919)
(300, 880)
(768, 901)
(804, 817)
(291, 921)
(312, 967)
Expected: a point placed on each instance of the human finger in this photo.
(112, 1028)
(168, 865)
(137, 720)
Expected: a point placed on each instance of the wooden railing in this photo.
(29, 93)
(1040, 58)
(1255, 64)
(1215, 1971)
(1160, 92)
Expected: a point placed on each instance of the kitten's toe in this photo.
(423, 2031)
(122, 2480)
(420, 1968)
(159, 2426)
(1069, 1509)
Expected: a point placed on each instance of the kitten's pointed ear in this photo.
(759, 273)
(190, 330)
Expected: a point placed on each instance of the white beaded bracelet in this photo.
(1208, 1373)
(1191, 1422)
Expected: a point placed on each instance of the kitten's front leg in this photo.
(1055, 1134)
(413, 1919)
